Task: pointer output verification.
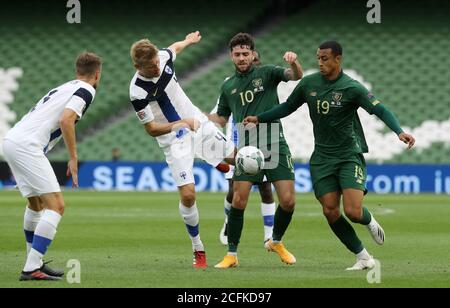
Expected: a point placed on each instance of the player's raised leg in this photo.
(189, 213)
(223, 236)
(344, 231)
(43, 236)
(354, 210)
(283, 216)
(267, 208)
(236, 222)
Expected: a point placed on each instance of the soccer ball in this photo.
(249, 160)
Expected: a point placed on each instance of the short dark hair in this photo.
(335, 47)
(88, 63)
(242, 39)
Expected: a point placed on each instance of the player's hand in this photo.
(193, 37)
(72, 170)
(250, 119)
(408, 139)
(290, 57)
(193, 124)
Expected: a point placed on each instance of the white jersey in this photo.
(231, 129)
(162, 99)
(40, 126)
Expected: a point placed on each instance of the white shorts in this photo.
(207, 143)
(31, 169)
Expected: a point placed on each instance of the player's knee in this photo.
(58, 207)
(331, 213)
(188, 199)
(353, 214)
(239, 202)
(287, 202)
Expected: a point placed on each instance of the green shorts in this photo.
(283, 171)
(336, 174)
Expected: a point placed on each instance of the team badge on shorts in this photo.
(183, 175)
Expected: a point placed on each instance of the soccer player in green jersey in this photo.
(252, 90)
(337, 165)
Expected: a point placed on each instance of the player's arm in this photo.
(295, 72)
(373, 106)
(191, 38)
(216, 118)
(294, 101)
(155, 129)
(221, 113)
(67, 125)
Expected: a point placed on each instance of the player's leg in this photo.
(283, 216)
(328, 193)
(32, 216)
(44, 234)
(267, 208)
(236, 222)
(353, 199)
(189, 213)
(212, 146)
(352, 177)
(223, 236)
(35, 177)
(282, 177)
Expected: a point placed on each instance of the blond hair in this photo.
(143, 51)
(88, 63)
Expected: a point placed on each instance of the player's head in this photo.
(256, 58)
(242, 47)
(145, 58)
(89, 68)
(329, 56)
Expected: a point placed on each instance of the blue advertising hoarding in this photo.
(156, 176)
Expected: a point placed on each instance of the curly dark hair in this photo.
(244, 39)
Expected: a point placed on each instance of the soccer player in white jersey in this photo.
(265, 188)
(24, 147)
(161, 106)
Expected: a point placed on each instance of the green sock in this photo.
(235, 225)
(281, 222)
(366, 217)
(345, 232)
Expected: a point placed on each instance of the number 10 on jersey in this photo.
(247, 97)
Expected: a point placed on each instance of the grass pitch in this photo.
(139, 240)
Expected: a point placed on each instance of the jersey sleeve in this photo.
(298, 97)
(277, 73)
(294, 101)
(141, 106)
(364, 98)
(223, 108)
(171, 54)
(80, 101)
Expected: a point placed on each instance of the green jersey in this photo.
(252, 93)
(333, 109)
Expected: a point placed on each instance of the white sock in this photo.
(363, 255)
(191, 220)
(232, 254)
(43, 236)
(268, 213)
(226, 207)
(30, 220)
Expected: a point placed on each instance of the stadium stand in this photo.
(402, 60)
(47, 58)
